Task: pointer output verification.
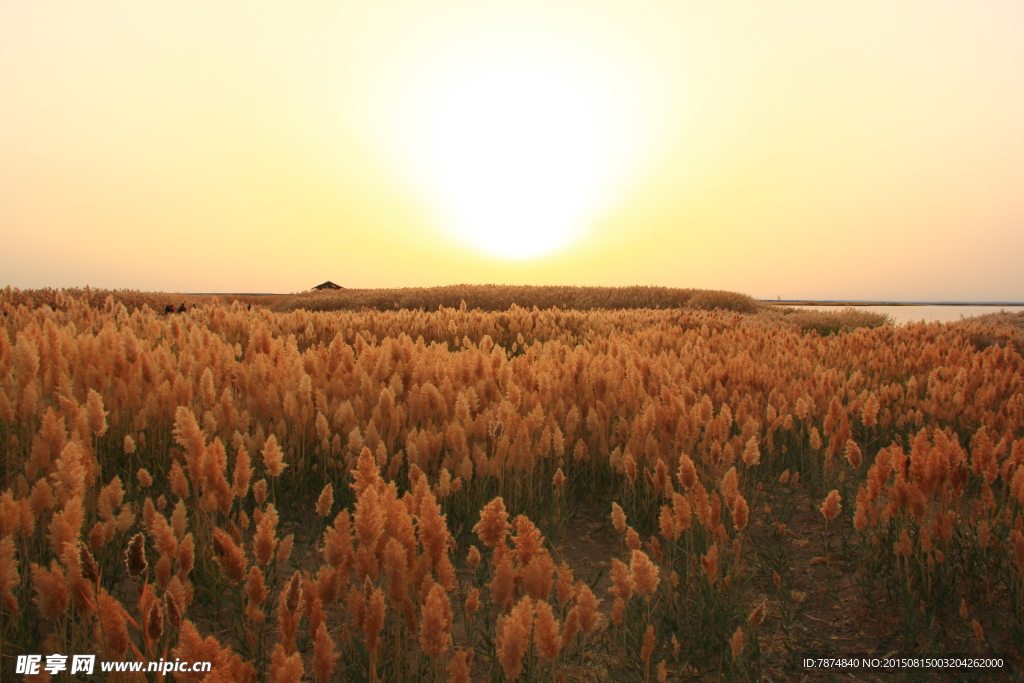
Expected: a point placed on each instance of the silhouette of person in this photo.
(181, 308)
(169, 308)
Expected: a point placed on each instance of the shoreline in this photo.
(811, 302)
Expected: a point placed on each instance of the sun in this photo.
(515, 133)
(517, 155)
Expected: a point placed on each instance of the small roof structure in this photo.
(328, 285)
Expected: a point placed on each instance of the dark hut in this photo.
(328, 285)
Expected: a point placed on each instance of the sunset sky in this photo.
(833, 150)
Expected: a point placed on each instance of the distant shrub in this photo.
(710, 300)
(1011, 318)
(831, 322)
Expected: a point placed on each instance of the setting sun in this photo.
(517, 129)
(517, 155)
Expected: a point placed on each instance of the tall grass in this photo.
(385, 495)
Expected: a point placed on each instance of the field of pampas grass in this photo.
(482, 297)
(506, 484)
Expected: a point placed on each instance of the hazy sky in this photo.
(809, 149)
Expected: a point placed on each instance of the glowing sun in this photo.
(517, 136)
(516, 154)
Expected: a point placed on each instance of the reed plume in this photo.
(643, 574)
(547, 633)
(709, 561)
(113, 627)
(493, 524)
(288, 612)
(325, 501)
(229, 555)
(853, 454)
(503, 582)
(458, 668)
(435, 626)
(154, 623)
(96, 415)
(587, 604)
(51, 589)
(687, 472)
(736, 644)
(622, 580)
(273, 458)
(647, 649)
(473, 600)
(324, 655)
(751, 453)
(266, 536)
(256, 592)
(618, 518)
(242, 473)
(632, 538)
(285, 667)
(514, 633)
(538, 576)
(135, 556)
(832, 506)
(740, 513)
(572, 627)
(373, 620)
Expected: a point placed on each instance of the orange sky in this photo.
(823, 150)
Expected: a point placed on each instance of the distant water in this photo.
(927, 313)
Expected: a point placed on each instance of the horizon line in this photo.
(863, 302)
